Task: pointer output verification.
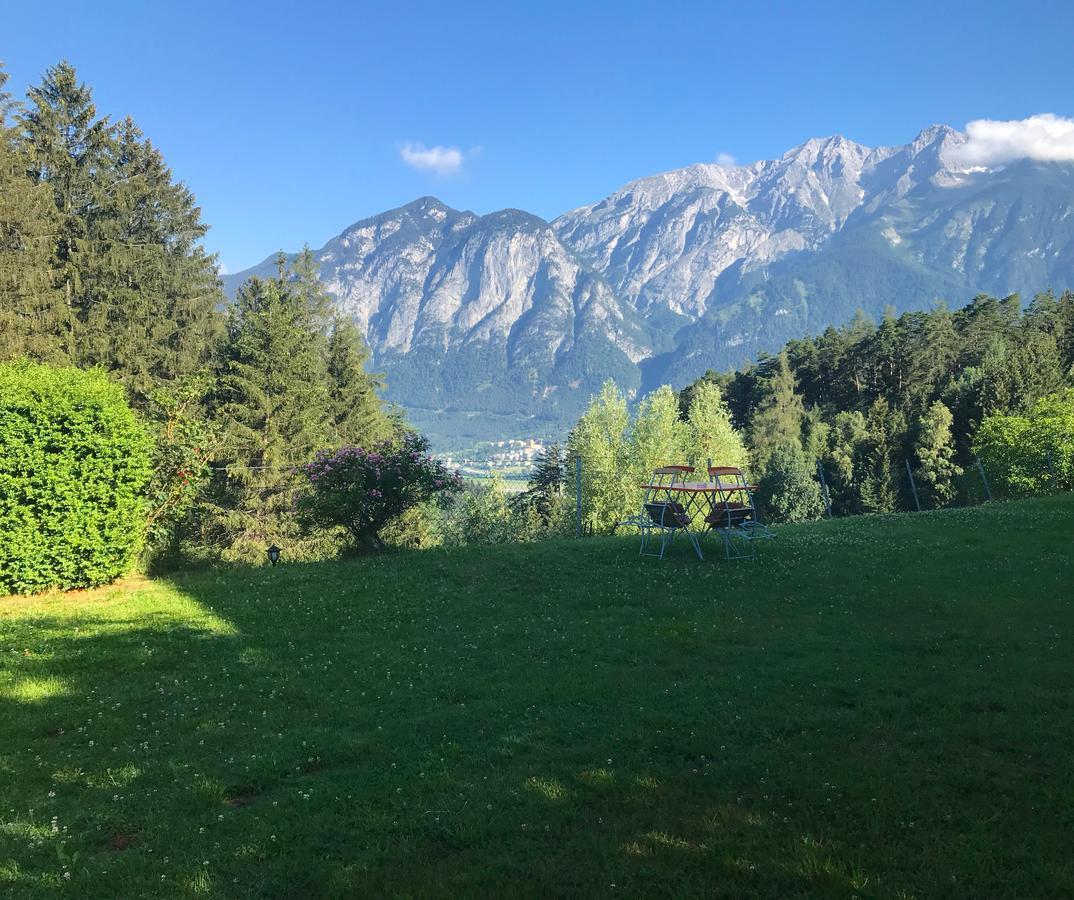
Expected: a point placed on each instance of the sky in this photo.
(290, 122)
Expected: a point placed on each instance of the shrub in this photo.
(183, 442)
(363, 490)
(73, 465)
(789, 491)
(485, 514)
(1034, 452)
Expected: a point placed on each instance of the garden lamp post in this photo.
(274, 554)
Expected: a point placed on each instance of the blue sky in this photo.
(289, 123)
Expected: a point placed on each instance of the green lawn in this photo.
(874, 707)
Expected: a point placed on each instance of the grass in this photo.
(876, 707)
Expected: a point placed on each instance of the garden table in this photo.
(697, 496)
(671, 505)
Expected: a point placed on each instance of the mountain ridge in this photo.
(703, 266)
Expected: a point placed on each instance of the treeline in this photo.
(866, 407)
(865, 399)
(102, 266)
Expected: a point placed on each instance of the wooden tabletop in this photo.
(699, 487)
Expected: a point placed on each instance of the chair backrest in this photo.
(677, 473)
(735, 499)
(661, 477)
(727, 477)
(717, 473)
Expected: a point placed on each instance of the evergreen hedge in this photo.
(74, 462)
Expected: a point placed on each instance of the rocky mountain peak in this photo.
(699, 267)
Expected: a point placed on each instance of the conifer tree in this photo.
(356, 412)
(1065, 333)
(878, 459)
(780, 415)
(67, 145)
(841, 461)
(7, 104)
(31, 320)
(938, 346)
(935, 451)
(302, 273)
(357, 415)
(138, 293)
(545, 487)
(274, 401)
(151, 290)
(856, 367)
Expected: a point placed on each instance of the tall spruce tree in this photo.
(939, 347)
(545, 487)
(879, 462)
(357, 414)
(67, 145)
(780, 415)
(7, 103)
(151, 290)
(32, 320)
(138, 292)
(935, 452)
(842, 461)
(273, 396)
(1065, 333)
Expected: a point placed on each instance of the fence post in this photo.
(913, 487)
(577, 496)
(824, 489)
(984, 478)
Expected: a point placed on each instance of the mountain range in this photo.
(505, 324)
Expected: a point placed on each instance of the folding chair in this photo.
(658, 484)
(733, 514)
(660, 513)
(669, 519)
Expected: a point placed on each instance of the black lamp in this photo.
(274, 554)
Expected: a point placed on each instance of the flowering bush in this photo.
(363, 489)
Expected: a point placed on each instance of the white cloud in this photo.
(724, 159)
(221, 269)
(439, 160)
(993, 143)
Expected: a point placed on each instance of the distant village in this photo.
(512, 459)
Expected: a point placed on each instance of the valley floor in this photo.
(874, 707)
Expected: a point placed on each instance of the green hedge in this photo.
(74, 462)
